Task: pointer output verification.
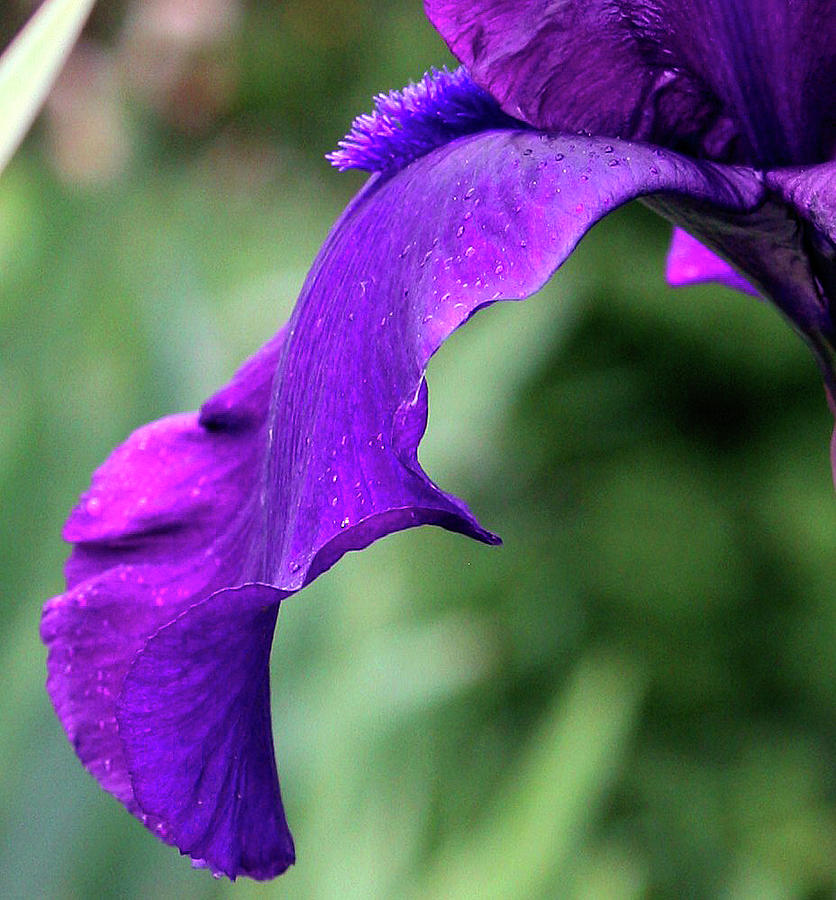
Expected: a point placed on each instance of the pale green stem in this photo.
(31, 63)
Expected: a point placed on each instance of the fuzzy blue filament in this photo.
(409, 123)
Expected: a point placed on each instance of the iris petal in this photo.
(159, 530)
(811, 191)
(195, 718)
(751, 81)
(564, 66)
(196, 527)
(486, 218)
(689, 262)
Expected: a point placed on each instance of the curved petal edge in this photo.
(194, 715)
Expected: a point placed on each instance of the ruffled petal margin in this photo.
(197, 527)
(158, 531)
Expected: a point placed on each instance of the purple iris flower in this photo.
(719, 114)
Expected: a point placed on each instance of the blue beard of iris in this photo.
(416, 120)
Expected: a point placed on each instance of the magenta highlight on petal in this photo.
(198, 527)
(691, 263)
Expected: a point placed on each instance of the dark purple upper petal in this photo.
(749, 80)
(485, 218)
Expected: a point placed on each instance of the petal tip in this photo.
(201, 758)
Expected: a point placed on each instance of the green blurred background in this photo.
(632, 698)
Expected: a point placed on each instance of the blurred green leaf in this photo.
(30, 64)
(545, 807)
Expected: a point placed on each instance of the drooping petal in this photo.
(175, 485)
(194, 715)
(163, 526)
(487, 217)
(193, 506)
(689, 262)
(752, 81)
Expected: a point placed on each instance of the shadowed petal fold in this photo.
(811, 191)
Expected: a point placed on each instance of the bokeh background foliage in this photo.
(632, 698)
